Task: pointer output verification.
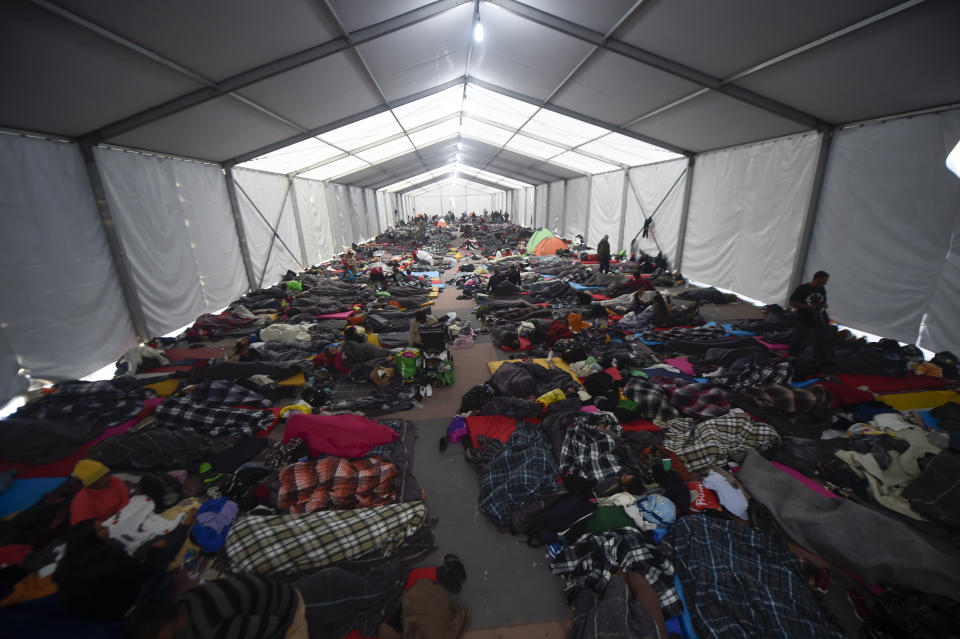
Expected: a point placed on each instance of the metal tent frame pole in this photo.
(128, 287)
(813, 208)
(296, 218)
(623, 207)
(238, 224)
(682, 233)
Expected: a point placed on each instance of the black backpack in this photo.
(947, 362)
(563, 520)
(164, 490)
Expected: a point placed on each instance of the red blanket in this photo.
(492, 426)
(341, 435)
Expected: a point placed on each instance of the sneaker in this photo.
(429, 390)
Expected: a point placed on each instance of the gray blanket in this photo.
(878, 548)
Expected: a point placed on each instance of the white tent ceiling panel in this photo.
(62, 79)
(433, 107)
(216, 38)
(523, 56)
(599, 88)
(484, 132)
(715, 121)
(386, 150)
(533, 148)
(606, 196)
(496, 107)
(357, 14)
(887, 215)
(626, 150)
(208, 131)
(318, 93)
(293, 157)
(651, 186)
(311, 201)
(363, 132)
(850, 78)
(63, 313)
(336, 168)
(582, 163)
(599, 16)
(575, 207)
(398, 60)
(722, 39)
(435, 133)
(562, 129)
(747, 207)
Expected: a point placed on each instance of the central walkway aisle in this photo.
(507, 582)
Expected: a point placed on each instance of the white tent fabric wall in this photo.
(11, 382)
(542, 193)
(373, 217)
(477, 202)
(267, 210)
(887, 215)
(606, 199)
(649, 185)
(555, 212)
(429, 204)
(529, 194)
(575, 207)
(938, 332)
(63, 312)
(171, 216)
(312, 202)
(339, 216)
(747, 208)
(359, 218)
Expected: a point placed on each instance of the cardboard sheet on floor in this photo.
(542, 361)
(923, 399)
(884, 384)
(24, 493)
(492, 426)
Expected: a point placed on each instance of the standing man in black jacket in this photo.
(810, 301)
(603, 254)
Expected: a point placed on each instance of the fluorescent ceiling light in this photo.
(478, 31)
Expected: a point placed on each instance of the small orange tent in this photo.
(442, 224)
(549, 246)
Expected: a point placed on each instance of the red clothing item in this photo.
(99, 503)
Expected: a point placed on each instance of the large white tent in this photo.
(159, 158)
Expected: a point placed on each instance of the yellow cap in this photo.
(88, 471)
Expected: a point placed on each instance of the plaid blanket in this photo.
(370, 399)
(523, 469)
(226, 393)
(177, 412)
(709, 443)
(787, 400)
(694, 399)
(336, 482)
(696, 334)
(591, 561)
(752, 375)
(589, 446)
(739, 582)
(295, 544)
(651, 400)
(105, 403)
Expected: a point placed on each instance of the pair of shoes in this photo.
(451, 574)
(426, 391)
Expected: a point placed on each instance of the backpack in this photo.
(947, 362)
(164, 490)
(476, 397)
(563, 520)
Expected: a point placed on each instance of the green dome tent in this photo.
(538, 237)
